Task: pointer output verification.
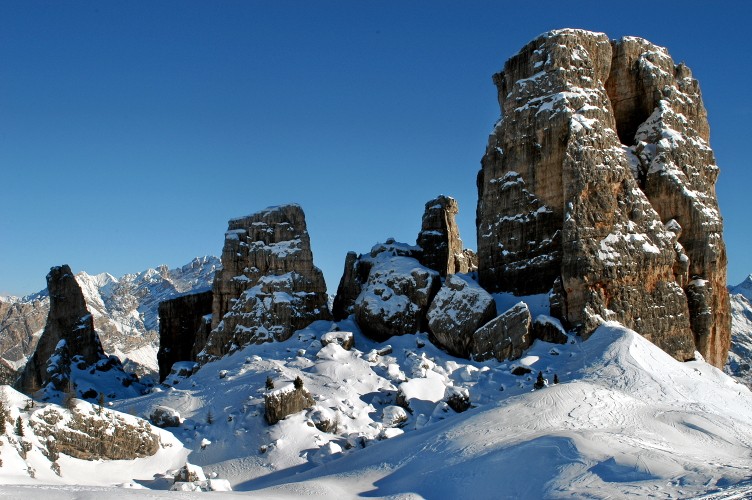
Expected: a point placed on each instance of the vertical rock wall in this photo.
(183, 329)
(564, 205)
(268, 286)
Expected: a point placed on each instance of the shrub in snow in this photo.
(162, 416)
(344, 339)
(540, 382)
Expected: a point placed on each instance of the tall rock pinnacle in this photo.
(69, 332)
(268, 286)
(598, 184)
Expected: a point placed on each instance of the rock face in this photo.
(439, 238)
(268, 287)
(184, 326)
(69, 327)
(610, 200)
(394, 290)
(460, 308)
(504, 337)
(285, 401)
(21, 323)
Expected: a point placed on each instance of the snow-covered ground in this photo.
(625, 419)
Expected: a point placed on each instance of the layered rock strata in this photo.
(619, 227)
(439, 238)
(184, 326)
(268, 286)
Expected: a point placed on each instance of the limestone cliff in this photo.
(184, 324)
(598, 183)
(268, 286)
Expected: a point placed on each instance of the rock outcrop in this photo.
(69, 345)
(393, 290)
(268, 287)
(184, 326)
(439, 238)
(285, 401)
(609, 200)
(21, 323)
(504, 337)
(460, 308)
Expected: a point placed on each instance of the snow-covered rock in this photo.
(504, 337)
(457, 311)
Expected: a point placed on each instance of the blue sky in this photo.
(130, 132)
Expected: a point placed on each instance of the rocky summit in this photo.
(268, 287)
(598, 183)
(69, 350)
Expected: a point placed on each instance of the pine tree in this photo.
(556, 379)
(298, 383)
(269, 383)
(210, 418)
(2, 417)
(100, 401)
(19, 427)
(540, 382)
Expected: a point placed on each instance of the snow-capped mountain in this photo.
(125, 312)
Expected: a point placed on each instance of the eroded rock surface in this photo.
(439, 238)
(460, 308)
(610, 198)
(268, 287)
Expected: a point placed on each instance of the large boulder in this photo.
(285, 401)
(504, 337)
(457, 311)
(268, 286)
(395, 297)
(609, 199)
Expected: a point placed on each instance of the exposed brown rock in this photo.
(69, 327)
(285, 401)
(268, 287)
(439, 238)
(460, 308)
(395, 297)
(504, 337)
(573, 209)
(21, 322)
(183, 329)
(350, 285)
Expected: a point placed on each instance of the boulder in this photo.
(457, 311)
(504, 337)
(344, 339)
(615, 149)
(162, 416)
(549, 329)
(395, 297)
(285, 401)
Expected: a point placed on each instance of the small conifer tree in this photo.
(210, 418)
(556, 379)
(100, 401)
(19, 427)
(540, 382)
(2, 417)
(269, 383)
(298, 383)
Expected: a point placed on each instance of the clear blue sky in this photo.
(130, 132)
